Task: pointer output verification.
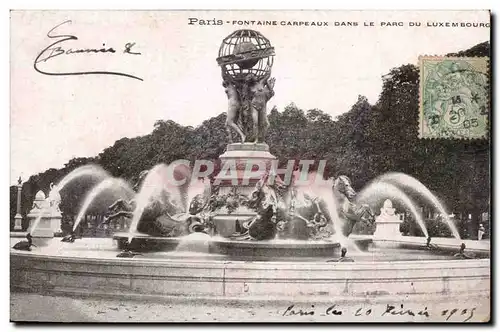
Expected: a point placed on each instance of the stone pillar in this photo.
(18, 219)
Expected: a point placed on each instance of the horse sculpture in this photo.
(308, 218)
(125, 209)
(155, 216)
(54, 197)
(348, 211)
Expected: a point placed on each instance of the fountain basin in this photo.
(480, 249)
(251, 250)
(90, 267)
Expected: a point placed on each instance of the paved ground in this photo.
(35, 307)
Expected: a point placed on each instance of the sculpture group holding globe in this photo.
(246, 59)
(277, 209)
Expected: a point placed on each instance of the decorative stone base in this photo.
(48, 225)
(18, 222)
(387, 229)
(247, 151)
(250, 161)
(246, 156)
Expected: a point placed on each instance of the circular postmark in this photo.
(455, 98)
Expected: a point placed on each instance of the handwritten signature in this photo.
(335, 310)
(56, 50)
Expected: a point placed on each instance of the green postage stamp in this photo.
(454, 97)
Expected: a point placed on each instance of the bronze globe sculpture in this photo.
(246, 58)
(246, 52)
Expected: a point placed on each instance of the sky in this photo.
(56, 118)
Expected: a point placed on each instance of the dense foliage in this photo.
(362, 143)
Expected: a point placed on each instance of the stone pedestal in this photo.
(49, 218)
(243, 165)
(242, 159)
(387, 223)
(45, 227)
(247, 151)
(18, 222)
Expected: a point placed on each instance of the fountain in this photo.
(378, 189)
(47, 209)
(248, 233)
(407, 181)
(109, 183)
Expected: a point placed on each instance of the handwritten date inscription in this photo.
(463, 314)
(58, 48)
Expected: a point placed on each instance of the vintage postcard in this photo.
(250, 166)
